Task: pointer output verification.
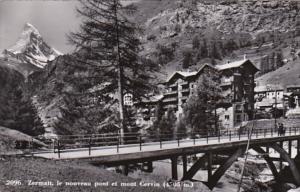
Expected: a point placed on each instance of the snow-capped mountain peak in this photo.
(31, 48)
(24, 38)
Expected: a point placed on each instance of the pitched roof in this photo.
(293, 86)
(186, 74)
(218, 67)
(154, 98)
(234, 64)
(182, 74)
(270, 88)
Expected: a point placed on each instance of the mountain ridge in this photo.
(202, 31)
(31, 48)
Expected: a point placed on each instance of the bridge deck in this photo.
(155, 151)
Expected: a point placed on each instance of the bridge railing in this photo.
(116, 141)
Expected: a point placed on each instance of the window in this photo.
(238, 119)
(192, 85)
(226, 117)
(238, 107)
(128, 99)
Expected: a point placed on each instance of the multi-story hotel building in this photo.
(237, 83)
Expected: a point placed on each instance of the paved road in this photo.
(151, 147)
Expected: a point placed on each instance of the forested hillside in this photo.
(187, 33)
(16, 109)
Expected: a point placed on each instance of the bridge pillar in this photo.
(184, 164)
(298, 146)
(209, 166)
(174, 168)
(290, 149)
(280, 161)
(124, 170)
(149, 166)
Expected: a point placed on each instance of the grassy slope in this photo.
(286, 75)
(64, 171)
(8, 138)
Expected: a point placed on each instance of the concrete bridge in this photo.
(138, 148)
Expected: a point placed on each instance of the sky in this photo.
(53, 18)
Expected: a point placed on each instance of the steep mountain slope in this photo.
(16, 109)
(284, 76)
(23, 68)
(178, 34)
(188, 33)
(63, 105)
(31, 48)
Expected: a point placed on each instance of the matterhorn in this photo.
(30, 48)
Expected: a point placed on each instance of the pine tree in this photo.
(279, 59)
(108, 49)
(187, 60)
(200, 107)
(167, 124)
(204, 51)
(196, 42)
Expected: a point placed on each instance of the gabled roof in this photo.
(185, 74)
(218, 67)
(235, 65)
(293, 86)
(152, 99)
(182, 74)
(268, 88)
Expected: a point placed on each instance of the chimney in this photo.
(245, 57)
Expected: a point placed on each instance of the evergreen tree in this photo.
(204, 51)
(166, 125)
(187, 59)
(27, 120)
(279, 59)
(181, 129)
(214, 51)
(200, 107)
(159, 113)
(196, 42)
(108, 49)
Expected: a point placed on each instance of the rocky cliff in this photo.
(185, 34)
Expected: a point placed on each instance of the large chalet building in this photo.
(237, 83)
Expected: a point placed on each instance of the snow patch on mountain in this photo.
(31, 48)
(24, 39)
